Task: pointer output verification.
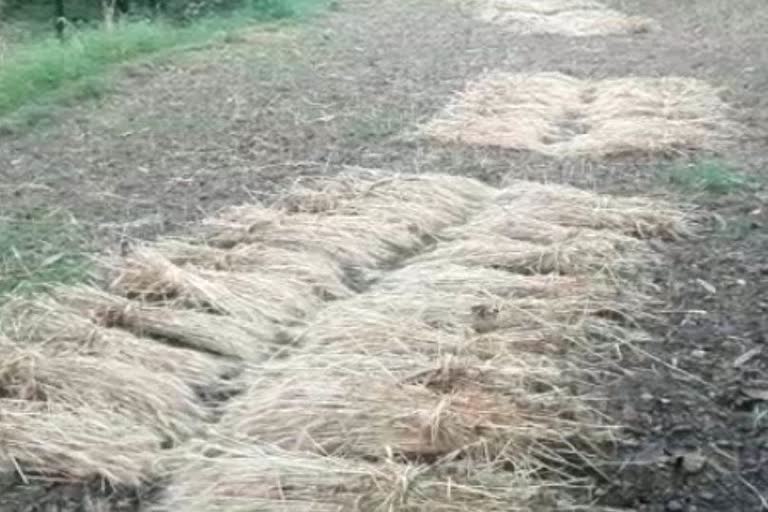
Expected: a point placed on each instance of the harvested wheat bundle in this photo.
(239, 478)
(561, 116)
(425, 275)
(659, 115)
(248, 296)
(445, 322)
(218, 334)
(572, 207)
(156, 400)
(350, 240)
(61, 329)
(573, 257)
(510, 223)
(316, 269)
(428, 202)
(43, 440)
(514, 111)
(358, 406)
(358, 330)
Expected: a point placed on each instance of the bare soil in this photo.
(242, 120)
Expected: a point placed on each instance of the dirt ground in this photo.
(242, 120)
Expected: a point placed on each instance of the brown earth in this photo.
(241, 120)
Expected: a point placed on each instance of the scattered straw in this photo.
(251, 296)
(315, 269)
(218, 334)
(41, 440)
(355, 405)
(573, 18)
(571, 207)
(360, 220)
(60, 329)
(156, 400)
(562, 116)
(218, 478)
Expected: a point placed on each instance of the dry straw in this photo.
(359, 219)
(575, 208)
(250, 296)
(572, 18)
(218, 334)
(562, 116)
(237, 478)
(325, 277)
(44, 440)
(368, 407)
(432, 309)
(59, 329)
(159, 401)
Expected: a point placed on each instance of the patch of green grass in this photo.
(38, 249)
(708, 176)
(36, 70)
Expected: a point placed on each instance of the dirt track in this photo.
(242, 120)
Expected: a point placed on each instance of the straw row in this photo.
(457, 355)
(170, 326)
(572, 18)
(562, 116)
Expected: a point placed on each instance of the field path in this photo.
(240, 120)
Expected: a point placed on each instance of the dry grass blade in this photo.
(236, 478)
(249, 296)
(77, 443)
(217, 334)
(155, 400)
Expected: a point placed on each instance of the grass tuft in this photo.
(709, 176)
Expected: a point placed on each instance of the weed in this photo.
(708, 176)
(38, 248)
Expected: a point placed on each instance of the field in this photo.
(326, 266)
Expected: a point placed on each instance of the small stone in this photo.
(674, 506)
(646, 397)
(699, 354)
(694, 462)
(707, 496)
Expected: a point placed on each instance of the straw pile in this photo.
(358, 406)
(239, 478)
(321, 273)
(213, 333)
(368, 223)
(59, 329)
(159, 401)
(44, 440)
(466, 344)
(250, 296)
(572, 207)
(561, 116)
(572, 18)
